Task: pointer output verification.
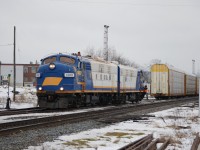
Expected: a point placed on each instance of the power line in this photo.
(7, 45)
(176, 3)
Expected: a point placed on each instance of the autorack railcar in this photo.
(167, 82)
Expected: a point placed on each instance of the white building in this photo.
(6, 69)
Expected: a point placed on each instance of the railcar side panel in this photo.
(128, 77)
(176, 83)
(190, 85)
(104, 76)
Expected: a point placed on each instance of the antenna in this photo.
(106, 41)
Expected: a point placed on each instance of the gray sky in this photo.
(140, 30)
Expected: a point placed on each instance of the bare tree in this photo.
(155, 61)
(113, 55)
(90, 51)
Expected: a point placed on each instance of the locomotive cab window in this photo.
(67, 60)
(49, 60)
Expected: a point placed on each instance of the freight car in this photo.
(167, 81)
(70, 80)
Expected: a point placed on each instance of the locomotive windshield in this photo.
(49, 60)
(67, 60)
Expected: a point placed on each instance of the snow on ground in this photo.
(24, 99)
(180, 124)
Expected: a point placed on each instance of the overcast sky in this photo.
(140, 30)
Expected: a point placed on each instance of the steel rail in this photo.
(21, 111)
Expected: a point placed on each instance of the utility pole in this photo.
(199, 95)
(106, 41)
(14, 85)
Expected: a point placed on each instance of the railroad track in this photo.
(108, 113)
(31, 110)
(21, 111)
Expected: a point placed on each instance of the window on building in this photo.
(33, 69)
(29, 69)
(25, 69)
(25, 79)
(33, 79)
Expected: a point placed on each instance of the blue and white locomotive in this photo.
(65, 80)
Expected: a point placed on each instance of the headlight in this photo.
(37, 75)
(52, 66)
(40, 88)
(61, 88)
(69, 75)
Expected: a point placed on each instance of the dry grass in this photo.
(104, 138)
(193, 118)
(131, 130)
(80, 143)
(181, 135)
(174, 141)
(117, 134)
(139, 133)
(174, 117)
(90, 139)
(20, 98)
(176, 127)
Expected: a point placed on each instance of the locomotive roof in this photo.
(60, 54)
(90, 59)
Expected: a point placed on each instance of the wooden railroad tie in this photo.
(146, 143)
(196, 142)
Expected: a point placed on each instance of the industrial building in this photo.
(25, 74)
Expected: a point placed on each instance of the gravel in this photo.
(37, 136)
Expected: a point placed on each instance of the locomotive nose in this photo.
(57, 75)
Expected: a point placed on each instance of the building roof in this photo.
(19, 64)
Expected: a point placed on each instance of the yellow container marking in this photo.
(159, 68)
(51, 81)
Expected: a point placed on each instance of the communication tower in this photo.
(106, 42)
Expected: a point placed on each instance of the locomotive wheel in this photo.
(102, 101)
